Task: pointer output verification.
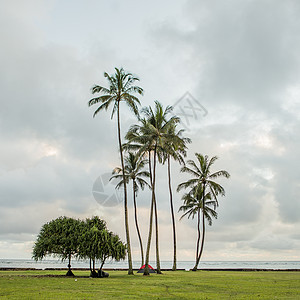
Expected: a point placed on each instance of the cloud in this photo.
(239, 59)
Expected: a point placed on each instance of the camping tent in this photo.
(141, 270)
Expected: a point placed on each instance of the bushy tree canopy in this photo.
(66, 237)
(58, 237)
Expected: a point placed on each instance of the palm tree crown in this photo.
(193, 203)
(134, 170)
(202, 176)
(157, 128)
(121, 88)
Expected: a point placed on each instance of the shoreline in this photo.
(163, 270)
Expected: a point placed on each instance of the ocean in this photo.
(186, 265)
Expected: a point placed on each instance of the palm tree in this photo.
(201, 182)
(174, 148)
(134, 166)
(140, 141)
(121, 89)
(150, 137)
(193, 204)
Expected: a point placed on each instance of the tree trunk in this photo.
(69, 273)
(136, 223)
(91, 265)
(146, 270)
(198, 241)
(130, 271)
(102, 274)
(92, 269)
(100, 269)
(158, 270)
(173, 216)
(203, 231)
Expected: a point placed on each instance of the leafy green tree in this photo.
(134, 171)
(121, 89)
(110, 247)
(203, 180)
(60, 238)
(175, 148)
(89, 241)
(98, 243)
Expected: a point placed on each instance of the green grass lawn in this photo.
(170, 285)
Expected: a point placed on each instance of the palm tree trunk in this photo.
(198, 241)
(203, 227)
(130, 271)
(146, 270)
(150, 168)
(136, 223)
(172, 213)
(158, 270)
(198, 254)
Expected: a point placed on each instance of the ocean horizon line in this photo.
(165, 264)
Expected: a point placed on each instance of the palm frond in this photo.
(131, 102)
(101, 107)
(211, 161)
(115, 109)
(135, 89)
(101, 99)
(219, 174)
(190, 171)
(117, 170)
(100, 89)
(188, 184)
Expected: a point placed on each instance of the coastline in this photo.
(163, 270)
(56, 264)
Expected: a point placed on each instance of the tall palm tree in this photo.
(134, 170)
(139, 140)
(175, 148)
(194, 203)
(121, 89)
(150, 135)
(202, 182)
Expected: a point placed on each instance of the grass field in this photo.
(170, 285)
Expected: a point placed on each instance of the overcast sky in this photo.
(240, 62)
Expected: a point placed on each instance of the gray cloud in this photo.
(239, 59)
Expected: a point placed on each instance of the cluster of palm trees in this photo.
(156, 139)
